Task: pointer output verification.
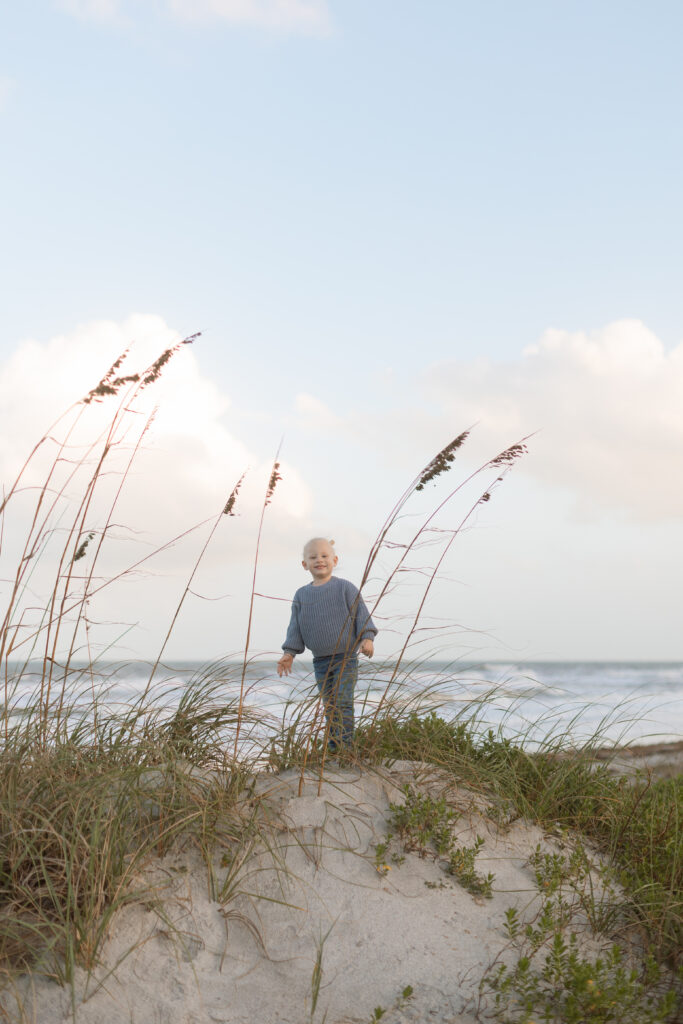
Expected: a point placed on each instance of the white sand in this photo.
(251, 960)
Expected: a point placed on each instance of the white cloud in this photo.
(314, 414)
(309, 16)
(605, 408)
(187, 466)
(189, 460)
(607, 405)
(40, 381)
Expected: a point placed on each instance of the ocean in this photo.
(620, 702)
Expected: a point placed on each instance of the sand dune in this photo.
(312, 893)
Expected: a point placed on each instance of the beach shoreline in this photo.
(661, 760)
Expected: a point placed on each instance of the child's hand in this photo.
(284, 665)
(367, 648)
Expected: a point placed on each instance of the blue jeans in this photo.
(336, 678)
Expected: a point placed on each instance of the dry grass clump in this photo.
(90, 792)
(83, 807)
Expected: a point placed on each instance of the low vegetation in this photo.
(424, 824)
(636, 824)
(90, 793)
(81, 815)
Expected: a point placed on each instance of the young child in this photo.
(329, 617)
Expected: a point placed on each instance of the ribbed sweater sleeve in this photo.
(365, 628)
(328, 619)
(294, 643)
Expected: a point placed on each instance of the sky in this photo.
(391, 222)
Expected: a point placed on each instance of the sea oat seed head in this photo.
(441, 462)
(274, 477)
(230, 503)
(507, 457)
(157, 366)
(82, 549)
(110, 385)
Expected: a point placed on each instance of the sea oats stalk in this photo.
(440, 464)
(273, 480)
(35, 537)
(502, 463)
(102, 534)
(92, 794)
(16, 631)
(227, 509)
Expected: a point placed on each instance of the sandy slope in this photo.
(251, 960)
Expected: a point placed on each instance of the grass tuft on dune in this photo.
(95, 798)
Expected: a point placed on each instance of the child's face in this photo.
(319, 560)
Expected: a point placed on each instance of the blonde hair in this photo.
(317, 540)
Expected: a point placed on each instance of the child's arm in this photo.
(294, 643)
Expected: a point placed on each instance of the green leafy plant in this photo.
(424, 826)
(636, 825)
(461, 865)
(551, 980)
(317, 975)
(380, 857)
(422, 823)
(89, 795)
(567, 988)
(406, 994)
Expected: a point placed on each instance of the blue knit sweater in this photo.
(328, 619)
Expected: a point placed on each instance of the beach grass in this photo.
(636, 823)
(84, 810)
(92, 792)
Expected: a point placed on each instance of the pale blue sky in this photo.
(357, 201)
